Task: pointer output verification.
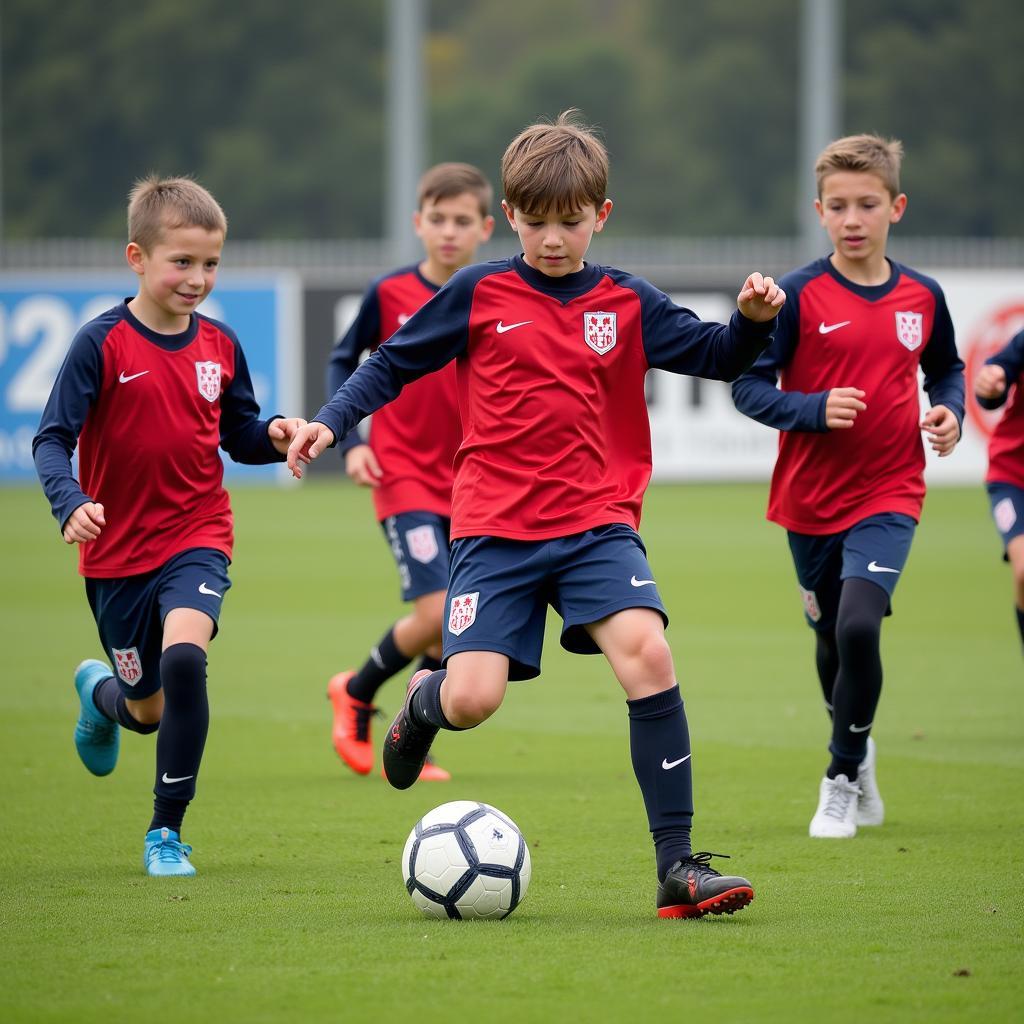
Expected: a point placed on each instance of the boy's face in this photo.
(856, 210)
(177, 274)
(555, 243)
(451, 230)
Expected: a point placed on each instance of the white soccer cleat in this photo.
(836, 815)
(870, 808)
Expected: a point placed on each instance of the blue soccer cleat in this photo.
(165, 855)
(97, 738)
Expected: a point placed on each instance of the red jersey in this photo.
(416, 436)
(550, 377)
(148, 412)
(834, 333)
(1006, 445)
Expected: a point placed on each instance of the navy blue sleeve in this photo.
(74, 391)
(361, 336)
(430, 338)
(676, 339)
(1011, 358)
(943, 368)
(756, 393)
(243, 435)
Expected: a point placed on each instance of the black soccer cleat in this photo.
(693, 889)
(407, 744)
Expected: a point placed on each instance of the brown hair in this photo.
(445, 181)
(561, 166)
(868, 153)
(156, 204)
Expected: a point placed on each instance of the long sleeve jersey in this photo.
(833, 333)
(550, 374)
(416, 436)
(148, 412)
(1006, 445)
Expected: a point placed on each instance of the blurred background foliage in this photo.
(279, 108)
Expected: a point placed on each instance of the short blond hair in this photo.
(561, 166)
(868, 153)
(446, 181)
(158, 204)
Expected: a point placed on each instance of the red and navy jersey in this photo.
(1006, 445)
(833, 333)
(415, 438)
(147, 412)
(550, 375)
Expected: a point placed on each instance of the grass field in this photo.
(298, 912)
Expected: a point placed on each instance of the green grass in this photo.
(298, 912)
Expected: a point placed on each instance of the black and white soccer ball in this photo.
(467, 861)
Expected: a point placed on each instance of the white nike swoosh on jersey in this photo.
(166, 778)
(875, 567)
(640, 583)
(204, 589)
(824, 328)
(861, 728)
(667, 764)
(502, 328)
(124, 380)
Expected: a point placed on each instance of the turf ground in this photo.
(298, 912)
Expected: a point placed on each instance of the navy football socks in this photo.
(659, 745)
(384, 661)
(1020, 622)
(109, 699)
(182, 734)
(425, 706)
(428, 663)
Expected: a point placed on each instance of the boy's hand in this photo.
(842, 407)
(307, 443)
(760, 298)
(943, 429)
(281, 432)
(990, 381)
(362, 466)
(84, 524)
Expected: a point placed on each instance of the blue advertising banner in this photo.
(40, 313)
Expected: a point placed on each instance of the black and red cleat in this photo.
(407, 744)
(693, 889)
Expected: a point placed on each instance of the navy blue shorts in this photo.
(130, 612)
(500, 590)
(1007, 503)
(874, 549)
(419, 542)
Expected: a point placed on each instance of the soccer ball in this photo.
(466, 860)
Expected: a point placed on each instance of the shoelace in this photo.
(839, 801)
(703, 860)
(101, 729)
(168, 851)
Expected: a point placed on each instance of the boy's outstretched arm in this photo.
(281, 430)
(307, 443)
(760, 298)
(993, 380)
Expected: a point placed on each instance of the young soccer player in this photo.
(848, 483)
(551, 354)
(407, 459)
(148, 392)
(1005, 477)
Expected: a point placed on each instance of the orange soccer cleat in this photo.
(351, 731)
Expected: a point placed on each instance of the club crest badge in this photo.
(128, 665)
(811, 606)
(1005, 515)
(208, 377)
(422, 543)
(909, 329)
(462, 612)
(599, 331)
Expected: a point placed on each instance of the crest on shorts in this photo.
(208, 377)
(462, 612)
(599, 331)
(909, 329)
(1005, 515)
(422, 543)
(128, 665)
(811, 606)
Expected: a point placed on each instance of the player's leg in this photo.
(419, 544)
(192, 588)
(1007, 503)
(608, 599)
(494, 629)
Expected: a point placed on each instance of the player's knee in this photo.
(858, 630)
(148, 711)
(1018, 580)
(652, 658)
(466, 708)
